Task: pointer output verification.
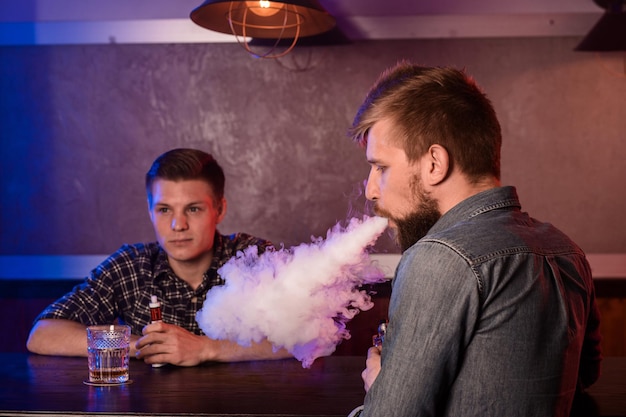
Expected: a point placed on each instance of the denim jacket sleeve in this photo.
(591, 354)
(434, 308)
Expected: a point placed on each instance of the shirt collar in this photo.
(488, 200)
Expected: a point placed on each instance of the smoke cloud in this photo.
(299, 299)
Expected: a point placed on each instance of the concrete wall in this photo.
(79, 126)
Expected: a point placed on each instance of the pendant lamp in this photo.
(262, 19)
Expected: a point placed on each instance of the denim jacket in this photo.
(492, 313)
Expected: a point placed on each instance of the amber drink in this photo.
(108, 353)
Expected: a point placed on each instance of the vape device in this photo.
(155, 316)
(379, 338)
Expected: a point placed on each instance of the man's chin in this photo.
(180, 253)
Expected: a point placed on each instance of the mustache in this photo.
(381, 212)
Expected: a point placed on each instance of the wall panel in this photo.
(79, 126)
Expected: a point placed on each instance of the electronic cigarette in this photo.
(379, 338)
(155, 310)
(155, 317)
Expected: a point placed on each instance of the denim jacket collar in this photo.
(492, 199)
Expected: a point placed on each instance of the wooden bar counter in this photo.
(32, 385)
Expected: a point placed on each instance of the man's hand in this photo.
(167, 343)
(372, 367)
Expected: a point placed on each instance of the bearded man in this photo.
(492, 312)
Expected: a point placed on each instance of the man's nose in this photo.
(371, 188)
(179, 223)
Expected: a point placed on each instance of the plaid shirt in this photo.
(120, 287)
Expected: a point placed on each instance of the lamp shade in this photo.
(609, 34)
(287, 19)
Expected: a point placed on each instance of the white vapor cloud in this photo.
(300, 298)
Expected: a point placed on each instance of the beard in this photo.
(415, 225)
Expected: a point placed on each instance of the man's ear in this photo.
(437, 165)
(221, 210)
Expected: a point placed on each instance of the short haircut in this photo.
(187, 164)
(435, 105)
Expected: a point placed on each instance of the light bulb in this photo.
(264, 8)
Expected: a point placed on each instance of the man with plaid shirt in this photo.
(185, 189)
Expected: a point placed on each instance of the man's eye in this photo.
(162, 210)
(194, 209)
(380, 168)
